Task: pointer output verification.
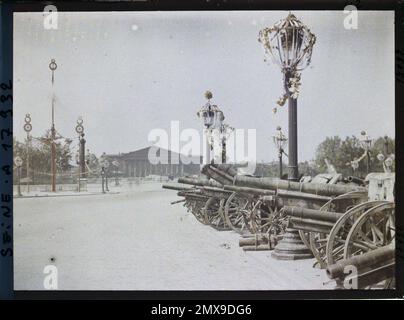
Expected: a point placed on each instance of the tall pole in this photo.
(280, 163)
(52, 67)
(28, 141)
(27, 129)
(53, 150)
(82, 156)
(367, 161)
(293, 174)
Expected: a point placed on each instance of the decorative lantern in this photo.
(289, 44)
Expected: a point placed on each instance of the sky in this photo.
(127, 73)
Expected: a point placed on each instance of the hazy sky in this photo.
(126, 73)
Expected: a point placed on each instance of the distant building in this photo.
(144, 162)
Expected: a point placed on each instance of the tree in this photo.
(341, 152)
(40, 156)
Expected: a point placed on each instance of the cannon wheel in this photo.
(318, 241)
(375, 228)
(233, 212)
(256, 218)
(213, 212)
(339, 233)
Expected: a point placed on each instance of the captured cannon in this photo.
(205, 200)
(373, 269)
(257, 210)
(254, 205)
(349, 225)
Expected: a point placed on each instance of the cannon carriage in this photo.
(338, 219)
(351, 225)
(254, 206)
(251, 205)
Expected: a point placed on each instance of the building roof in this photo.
(152, 152)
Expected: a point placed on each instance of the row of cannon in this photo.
(342, 221)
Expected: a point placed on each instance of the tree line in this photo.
(340, 152)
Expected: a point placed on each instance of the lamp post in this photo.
(27, 129)
(289, 44)
(81, 161)
(280, 142)
(18, 164)
(366, 143)
(212, 118)
(77, 157)
(53, 67)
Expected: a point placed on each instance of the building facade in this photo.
(155, 161)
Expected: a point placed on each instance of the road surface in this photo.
(136, 240)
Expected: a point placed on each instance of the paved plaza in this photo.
(136, 240)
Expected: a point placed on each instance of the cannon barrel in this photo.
(375, 259)
(305, 213)
(280, 193)
(306, 187)
(248, 190)
(192, 195)
(176, 186)
(215, 190)
(199, 182)
(356, 180)
(310, 225)
(301, 195)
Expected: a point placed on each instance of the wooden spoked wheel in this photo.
(259, 217)
(213, 212)
(339, 232)
(233, 212)
(375, 228)
(318, 241)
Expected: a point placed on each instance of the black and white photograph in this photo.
(204, 150)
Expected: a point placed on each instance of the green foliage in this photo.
(341, 152)
(39, 151)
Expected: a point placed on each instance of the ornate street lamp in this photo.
(366, 143)
(53, 66)
(27, 129)
(18, 164)
(289, 44)
(280, 141)
(212, 118)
